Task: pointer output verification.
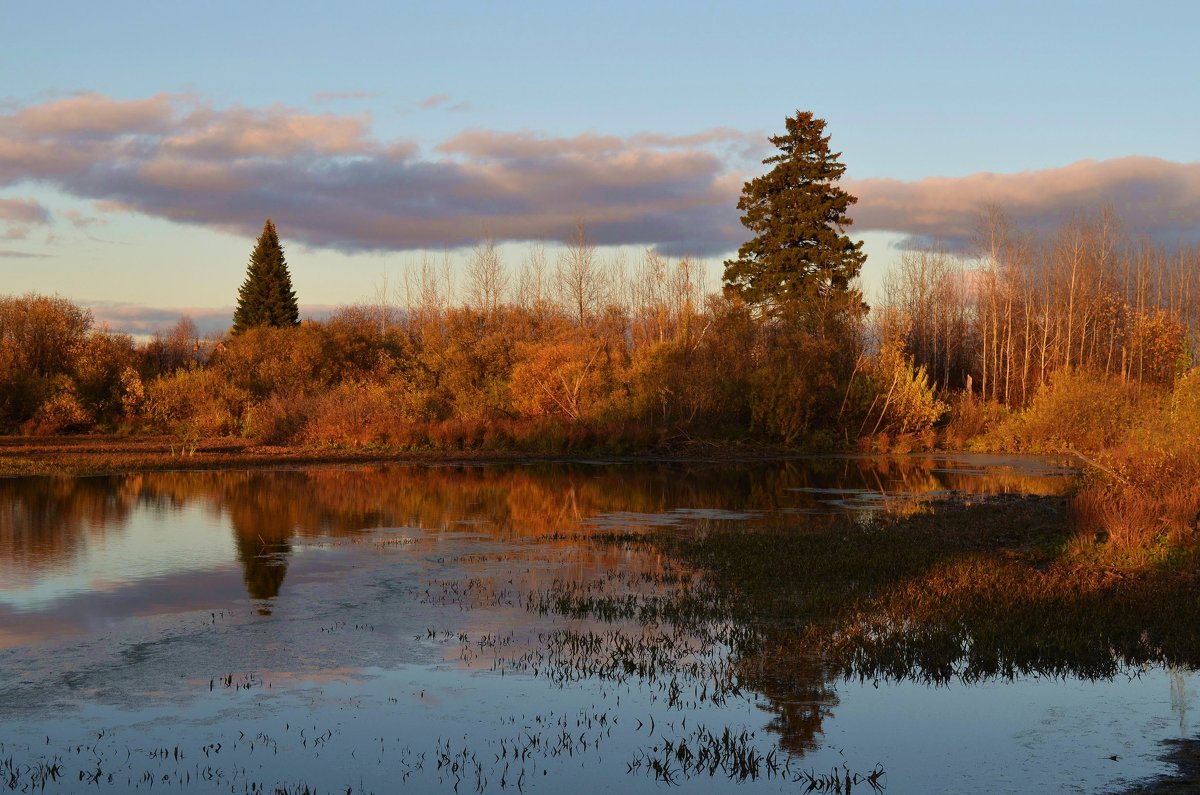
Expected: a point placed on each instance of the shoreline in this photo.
(112, 454)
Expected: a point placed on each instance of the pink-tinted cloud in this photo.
(81, 220)
(1153, 197)
(19, 216)
(91, 114)
(275, 132)
(23, 211)
(327, 182)
(432, 101)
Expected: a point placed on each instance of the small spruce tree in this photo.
(266, 297)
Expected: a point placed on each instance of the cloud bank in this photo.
(328, 183)
(1152, 197)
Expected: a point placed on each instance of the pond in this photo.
(492, 628)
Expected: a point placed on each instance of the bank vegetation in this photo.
(1080, 343)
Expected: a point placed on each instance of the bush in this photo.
(1141, 497)
(277, 419)
(903, 401)
(351, 414)
(195, 402)
(1079, 411)
(267, 361)
(971, 419)
(63, 412)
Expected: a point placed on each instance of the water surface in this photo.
(471, 628)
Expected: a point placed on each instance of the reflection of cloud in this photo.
(1151, 196)
(328, 183)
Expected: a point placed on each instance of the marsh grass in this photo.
(961, 592)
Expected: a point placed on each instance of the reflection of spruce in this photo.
(262, 528)
(264, 562)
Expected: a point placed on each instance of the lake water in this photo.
(471, 628)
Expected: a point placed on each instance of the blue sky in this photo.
(461, 112)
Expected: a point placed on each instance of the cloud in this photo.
(328, 183)
(17, 216)
(432, 101)
(81, 220)
(23, 211)
(144, 321)
(1153, 197)
(325, 97)
(11, 254)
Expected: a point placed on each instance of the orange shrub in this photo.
(1081, 411)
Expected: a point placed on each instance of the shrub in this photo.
(903, 401)
(267, 361)
(1079, 411)
(277, 419)
(971, 419)
(351, 414)
(1141, 497)
(194, 402)
(63, 412)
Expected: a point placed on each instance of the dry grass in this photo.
(1145, 509)
(1140, 446)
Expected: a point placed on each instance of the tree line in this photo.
(577, 349)
(1086, 297)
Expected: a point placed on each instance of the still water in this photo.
(473, 628)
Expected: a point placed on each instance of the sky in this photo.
(143, 145)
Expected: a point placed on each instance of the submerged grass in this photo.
(963, 592)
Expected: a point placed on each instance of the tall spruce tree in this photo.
(266, 297)
(799, 258)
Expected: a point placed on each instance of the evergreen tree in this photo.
(799, 258)
(266, 297)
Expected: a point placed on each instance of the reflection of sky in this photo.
(1032, 735)
(150, 544)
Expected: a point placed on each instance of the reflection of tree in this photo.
(42, 519)
(262, 531)
(799, 694)
(265, 563)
